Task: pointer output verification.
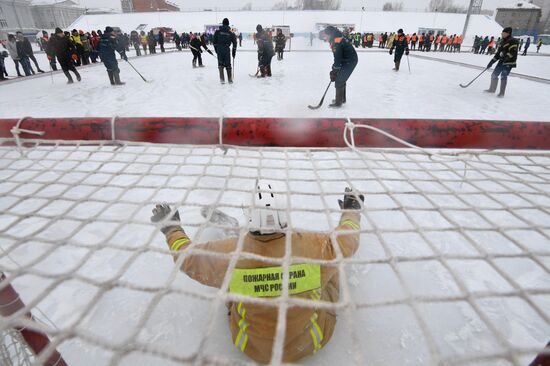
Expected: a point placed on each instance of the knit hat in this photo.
(508, 30)
(108, 29)
(399, 30)
(58, 30)
(225, 21)
(259, 28)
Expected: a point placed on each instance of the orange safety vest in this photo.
(450, 40)
(431, 37)
(408, 38)
(456, 40)
(414, 38)
(492, 44)
(444, 40)
(381, 38)
(421, 38)
(438, 40)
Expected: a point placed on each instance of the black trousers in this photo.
(344, 74)
(197, 55)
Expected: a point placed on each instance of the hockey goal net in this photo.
(453, 266)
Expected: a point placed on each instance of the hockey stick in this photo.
(129, 63)
(471, 82)
(409, 63)
(256, 75)
(233, 70)
(322, 99)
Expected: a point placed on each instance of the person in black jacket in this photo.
(161, 41)
(506, 56)
(345, 61)
(265, 51)
(401, 46)
(63, 49)
(223, 38)
(196, 44)
(3, 72)
(527, 44)
(107, 46)
(280, 43)
(152, 42)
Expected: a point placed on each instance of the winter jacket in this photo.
(223, 38)
(62, 47)
(24, 48)
(197, 43)
(12, 50)
(343, 51)
(507, 52)
(400, 44)
(253, 326)
(265, 48)
(107, 47)
(280, 42)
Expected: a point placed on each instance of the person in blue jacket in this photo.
(107, 46)
(345, 61)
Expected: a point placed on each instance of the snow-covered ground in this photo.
(374, 90)
(452, 264)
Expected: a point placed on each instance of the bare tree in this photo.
(394, 6)
(445, 6)
(318, 4)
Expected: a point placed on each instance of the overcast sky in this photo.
(224, 4)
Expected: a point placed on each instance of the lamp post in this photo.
(362, 13)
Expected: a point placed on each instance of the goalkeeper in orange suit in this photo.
(253, 326)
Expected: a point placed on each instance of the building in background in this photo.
(16, 15)
(544, 25)
(522, 16)
(129, 6)
(49, 14)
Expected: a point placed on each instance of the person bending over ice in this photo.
(253, 326)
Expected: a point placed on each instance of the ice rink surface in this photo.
(431, 90)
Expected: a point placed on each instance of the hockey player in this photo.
(265, 51)
(527, 44)
(63, 49)
(400, 45)
(539, 44)
(196, 44)
(280, 43)
(107, 47)
(223, 38)
(345, 61)
(144, 41)
(506, 57)
(161, 41)
(253, 325)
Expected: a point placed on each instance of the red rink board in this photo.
(281, 132)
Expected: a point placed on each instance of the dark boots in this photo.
(69, 77)
(222, 75)
(194, 64)
(502, 88)
(229, 75)
(493, 87)
(343, 97)
(111, 77)
(340, 92)
(116, 77)
(396, 68)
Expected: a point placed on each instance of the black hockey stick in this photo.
(129, 63)
(322, 99)
(471, 82)
(409, 63)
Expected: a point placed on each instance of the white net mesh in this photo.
(14, 350)
(453, 265)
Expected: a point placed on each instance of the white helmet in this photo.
(267, 215)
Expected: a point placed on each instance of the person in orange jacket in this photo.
(414, 39)
(437, 42)
(256, 275)
(421, 42)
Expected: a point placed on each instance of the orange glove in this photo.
(74, 56)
